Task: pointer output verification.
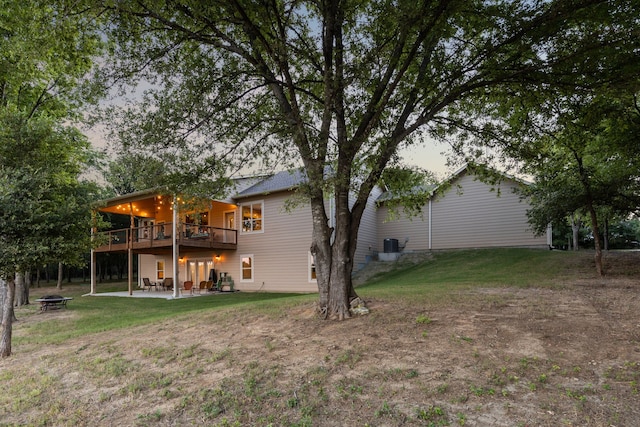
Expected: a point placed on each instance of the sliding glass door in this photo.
(199, 270)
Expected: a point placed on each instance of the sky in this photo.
(429, 155)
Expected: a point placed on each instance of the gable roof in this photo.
(390, 195)
(432, 189)
(281, 181)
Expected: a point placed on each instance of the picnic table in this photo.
(53, 302)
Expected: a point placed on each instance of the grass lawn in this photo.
(446, 274)
(99, 314)
(450, 272)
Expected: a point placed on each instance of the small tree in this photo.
(589, 164)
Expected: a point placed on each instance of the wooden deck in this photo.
(154, 240)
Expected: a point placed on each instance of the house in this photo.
(262, 242)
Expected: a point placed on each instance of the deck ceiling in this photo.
(146, 207)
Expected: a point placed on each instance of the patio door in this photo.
(229, 222)
(199, 270)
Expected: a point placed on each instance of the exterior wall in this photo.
(367, 235)
(280, 252)
(401, 227)
(470, 214)
(147, 267)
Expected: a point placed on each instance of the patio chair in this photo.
(146, 283)
(188, 286)
(201, 286)
(167, 284)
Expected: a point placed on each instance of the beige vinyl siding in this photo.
(402, 227)
(474, 214)
(147, 267)
(367, 234)
(280, 253)
(470, 214)
(216, 215)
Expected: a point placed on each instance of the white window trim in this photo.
(310, 263)
(253, 268)
(250, 204)
(235, 219)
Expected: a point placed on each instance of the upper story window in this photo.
(252, 217)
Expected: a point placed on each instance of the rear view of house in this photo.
(259, 242)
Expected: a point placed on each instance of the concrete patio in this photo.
(147, 294)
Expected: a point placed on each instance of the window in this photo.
(160, 269)
(312, 268)
(252, 217)
(246, 268)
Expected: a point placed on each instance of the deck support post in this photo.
(130, 251)
(174, 233)
(93, 263)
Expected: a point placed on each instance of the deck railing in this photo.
(160, 235)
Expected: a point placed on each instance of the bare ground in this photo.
(492, 357)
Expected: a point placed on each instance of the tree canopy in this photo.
(345, 84)
(46, 50)
(45, 53)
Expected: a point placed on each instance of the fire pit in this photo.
(53, 302)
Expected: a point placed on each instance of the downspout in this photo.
(174, 232)
(430, 225)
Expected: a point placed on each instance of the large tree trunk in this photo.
(321, 250)
(60, 275)
(7, 318)
(338, 305)
(21, 290)
(333, 250)
(3, 296)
